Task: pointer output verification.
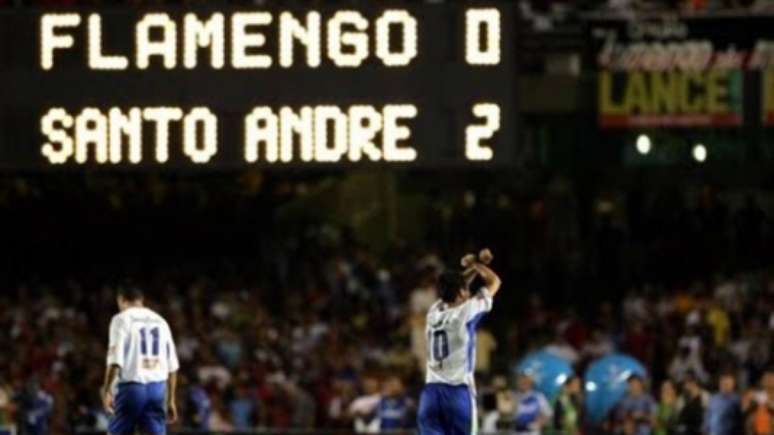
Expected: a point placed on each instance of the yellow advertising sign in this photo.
(670, 98)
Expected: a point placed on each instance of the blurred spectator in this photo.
(395, 409)
(562, 348)
(35, 408)
(760, 416)
(684, 362)
(213, 371)
(489, 416)
(599, 345)
(242, 408)
(695, 400)
(499, 407)
(668, 410)
(363, 408)
(720, 322)
(6, 404)
(343, 394)
(724, 411)
(304, 406)
(568, 407)
(198, 406)
(636, 412)
(219, 419)
(485, 345)
(532, 409)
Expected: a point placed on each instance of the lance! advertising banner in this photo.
(673, 71)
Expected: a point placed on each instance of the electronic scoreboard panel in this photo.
(388, 84)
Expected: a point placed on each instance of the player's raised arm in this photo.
(491, 281)
(469, 272)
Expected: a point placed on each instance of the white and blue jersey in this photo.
(393, 413)
(199, 407)
(36, 409)
(141, 345)
(447, 404)
(531, 408)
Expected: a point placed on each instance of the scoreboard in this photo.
(387, 83)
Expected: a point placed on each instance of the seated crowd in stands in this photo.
(348, 352)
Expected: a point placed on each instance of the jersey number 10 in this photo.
(440, 345)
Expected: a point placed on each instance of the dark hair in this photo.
(569, 380)
(691, 376)
(131, 294)
(635, 377)
(450, 283)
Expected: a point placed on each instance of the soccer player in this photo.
(142, 359)
(447, 403)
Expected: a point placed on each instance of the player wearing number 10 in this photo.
(447, 404)
(143, 360)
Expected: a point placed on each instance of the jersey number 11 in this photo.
(154, 333)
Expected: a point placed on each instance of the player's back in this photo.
(451, 338)
(447, 405)
(141, 344)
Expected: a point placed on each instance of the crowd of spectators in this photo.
(347, 352)
(548, 15)
(316, 327)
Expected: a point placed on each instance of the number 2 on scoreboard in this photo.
(489, 113)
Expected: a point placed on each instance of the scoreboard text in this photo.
(426, 84)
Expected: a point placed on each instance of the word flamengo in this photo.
(157, 36)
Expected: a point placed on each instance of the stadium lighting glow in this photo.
(699, 153)
(591, 386)
(561, 379)
(643, 144)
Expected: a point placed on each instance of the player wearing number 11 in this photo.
(143, 360)
(447, 404)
